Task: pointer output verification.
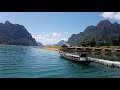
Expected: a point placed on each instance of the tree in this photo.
(103, 43)
(83, 43)
(115, 43)
(92, 43)
(119, 40)
(88, 42)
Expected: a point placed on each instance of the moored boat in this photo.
(82, 58)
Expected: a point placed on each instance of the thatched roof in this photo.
(98, 48)
(79, 48)
(117, 50)
(107, 49)
(71, 47)
(88, 48)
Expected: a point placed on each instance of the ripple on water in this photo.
(30, 62)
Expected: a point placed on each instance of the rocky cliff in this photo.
(15, 34)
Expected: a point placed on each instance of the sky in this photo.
(51, 27)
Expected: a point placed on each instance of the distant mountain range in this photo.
(61, 42)
(15, 34)
(105, 31)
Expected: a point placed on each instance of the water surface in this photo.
(32, 62)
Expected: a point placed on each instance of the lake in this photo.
(32, 62)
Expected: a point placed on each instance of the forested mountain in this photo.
(104, 32)
(15, 34)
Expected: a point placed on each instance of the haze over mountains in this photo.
(15, 34)
(105, 31)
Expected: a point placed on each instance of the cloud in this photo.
(49, 38)
(111, 15)
(65, 39)
(56, 34)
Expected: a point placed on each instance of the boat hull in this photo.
(82, 60)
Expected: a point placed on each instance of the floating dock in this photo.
(105, 62)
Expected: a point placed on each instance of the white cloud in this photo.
(65, 39)
(111, 15)
(49, 38)
(56, 34)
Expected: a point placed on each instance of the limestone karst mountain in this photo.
(105, 31)
(15, 34)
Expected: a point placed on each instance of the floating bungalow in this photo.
(88, 49)
(98, 49)
(65, 47)
(71, 49)
(107, 50)
(79, 49)
(117, 51)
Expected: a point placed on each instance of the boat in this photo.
(81, 59)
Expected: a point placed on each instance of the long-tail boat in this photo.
(82, 58)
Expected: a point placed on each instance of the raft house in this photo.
(79, 49)
(117, 51)
(98, 49)
(65, 47)
(107, 50)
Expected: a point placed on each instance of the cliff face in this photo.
(15, 34)
(104, 31)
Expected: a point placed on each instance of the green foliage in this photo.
(115, 43)
(102, 43)
(88, 42)
(119, 40)
(92, 43)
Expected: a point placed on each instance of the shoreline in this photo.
(50, 48)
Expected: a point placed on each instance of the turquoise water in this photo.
(32, 62)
